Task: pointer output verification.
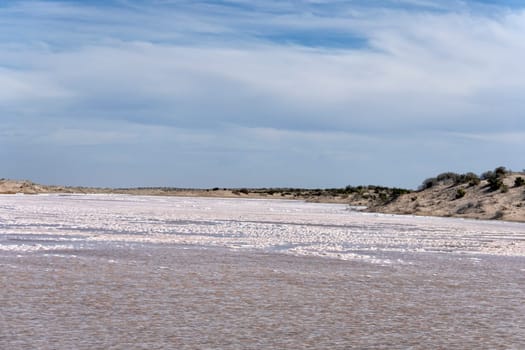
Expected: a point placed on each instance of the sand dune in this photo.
(463, 200)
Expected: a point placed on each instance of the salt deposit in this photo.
(124, 272)
(72, 222)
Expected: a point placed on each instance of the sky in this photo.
(260, 93)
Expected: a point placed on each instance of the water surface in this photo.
(124, 272)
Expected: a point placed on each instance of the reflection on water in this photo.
(160, 273)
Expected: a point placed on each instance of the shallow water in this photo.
(122, 272)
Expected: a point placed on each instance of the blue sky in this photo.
(314, 93)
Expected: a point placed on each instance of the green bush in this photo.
(500, 171)
(499, 214)
(448, 177)
(495, 178)
(487, 175)
(428, 183)
(470, 178)
(519, 181)
(474, 182)
(453, 178)
(495, 182)
(460, 193)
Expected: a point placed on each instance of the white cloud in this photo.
(511, 138)
(204, 81)
(436, 76)
(85, 137)
(22, 86)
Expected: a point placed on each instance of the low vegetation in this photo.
(460, 193)
(363, 195)
(450, 178)
(494, 194)
(494, 179)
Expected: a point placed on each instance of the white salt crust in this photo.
(66, 222)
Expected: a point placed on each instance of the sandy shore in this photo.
(309, 195)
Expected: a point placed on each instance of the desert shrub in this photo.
(215, 189)
(504, 188)
(428, 183)
(460, 193)
(396, 192)
(474, 181)
(495, 182)
(334, 191)
(470, 178)
(448, 177)
(244, 191)
(465, 208)
(351, 189)
(487, 175)
(495, 178)
(498, 215)
(500, 171)
(519, 181)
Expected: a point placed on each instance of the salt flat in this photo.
(137, 272)
(50, 222)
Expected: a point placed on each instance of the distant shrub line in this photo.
(451, 178)
(494, 180)
(370, 193)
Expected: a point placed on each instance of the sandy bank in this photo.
(464, 200)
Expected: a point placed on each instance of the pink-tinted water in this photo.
(124, 272)
(158, 297)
